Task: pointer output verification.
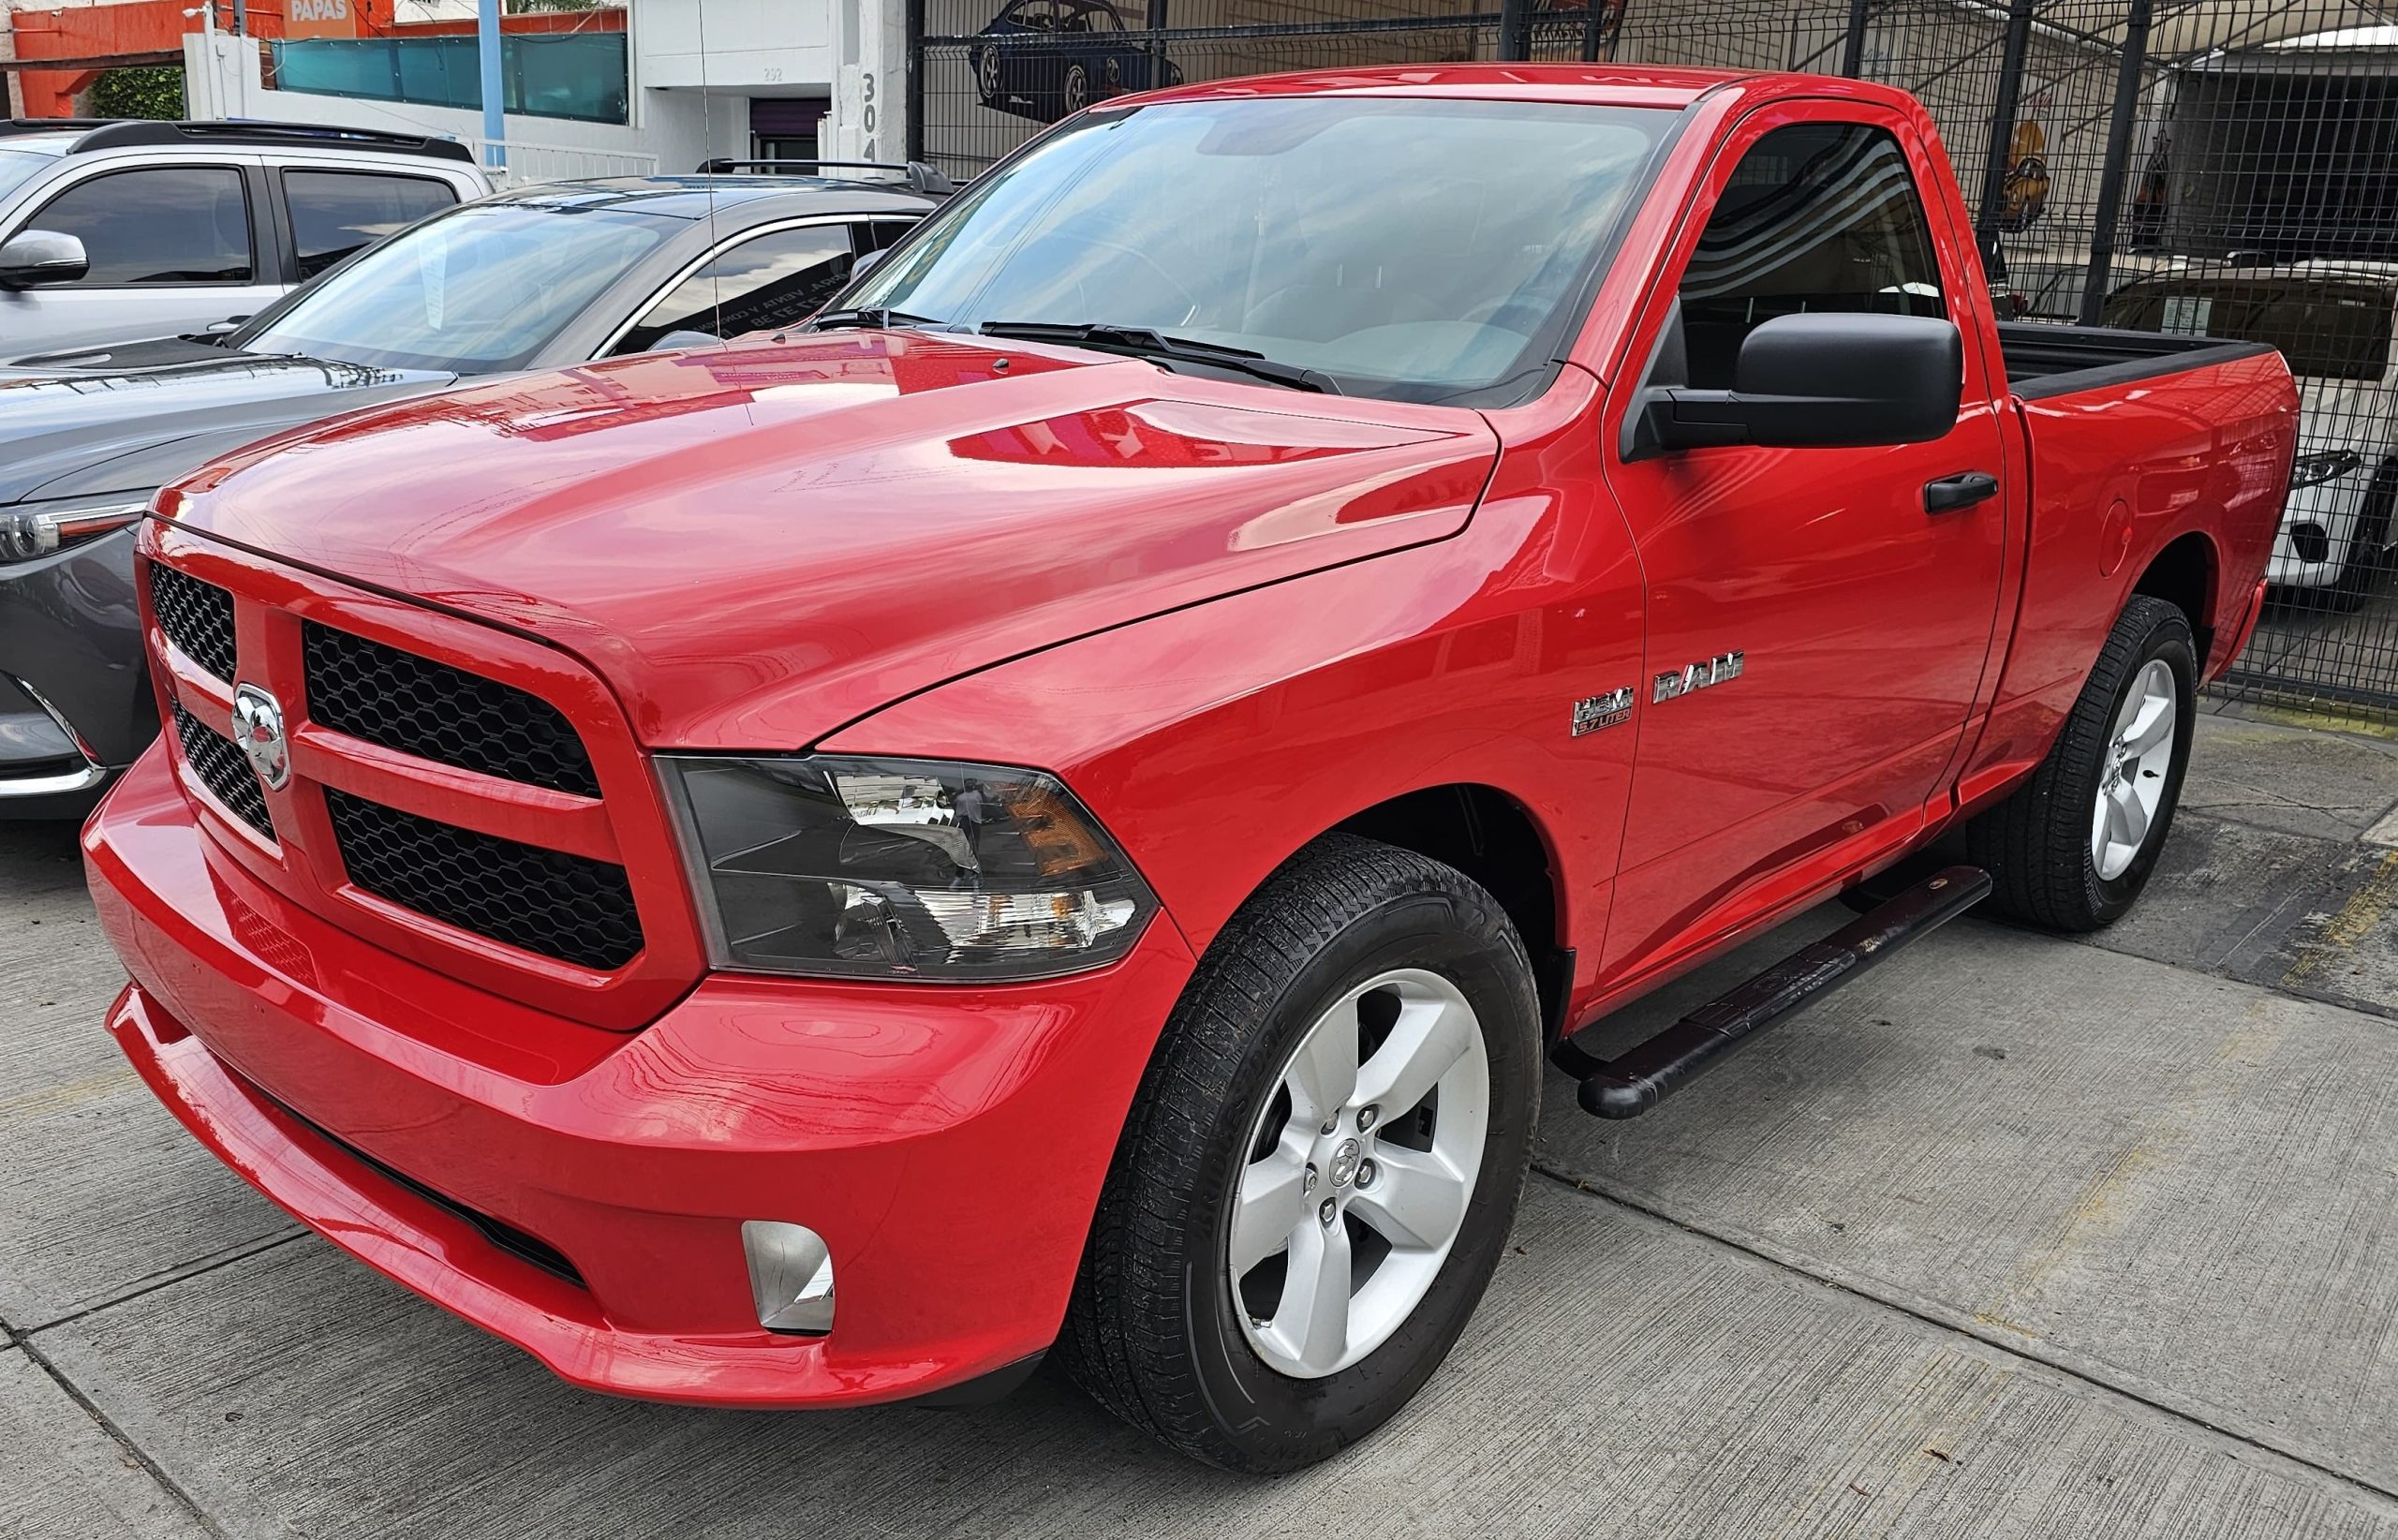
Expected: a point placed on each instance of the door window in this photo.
(774, 279)
(1817, 216)
(161, 225)
(337, 213)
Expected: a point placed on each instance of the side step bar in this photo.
(1654, 1069)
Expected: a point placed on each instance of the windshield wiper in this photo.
(882, 318)
(1141, 342)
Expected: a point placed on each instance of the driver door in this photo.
(1816, 634)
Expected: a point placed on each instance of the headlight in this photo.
(901, 869)
(2319, 466)
(36, 529)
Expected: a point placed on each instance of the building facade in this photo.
(607, 89)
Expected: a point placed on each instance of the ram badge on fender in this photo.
(1063, 811)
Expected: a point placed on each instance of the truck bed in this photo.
(2044, 360)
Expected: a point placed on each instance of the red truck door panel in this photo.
(1860, 620)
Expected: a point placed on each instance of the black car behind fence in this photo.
(2223, 168)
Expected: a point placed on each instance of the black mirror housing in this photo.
(1832, 379)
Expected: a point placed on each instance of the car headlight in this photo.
(2316, 466)
(901, 869)
(36, 529)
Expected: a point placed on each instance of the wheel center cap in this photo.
(1344, 1163)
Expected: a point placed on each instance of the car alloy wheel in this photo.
(2139, 754)
(1362, 1163)
(1077, 89)
(986, 74)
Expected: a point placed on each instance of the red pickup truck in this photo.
(1064, 806)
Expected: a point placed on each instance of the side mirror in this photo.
(858, 269)
(675, 342)
(36, 256)
(1833, 379)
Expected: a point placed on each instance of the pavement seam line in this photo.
(124, 1441)
(222, 1259)
(1928, 1314)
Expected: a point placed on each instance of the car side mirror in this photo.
(1833, 379)
(858, 269)
(35, 257)
(675, 342)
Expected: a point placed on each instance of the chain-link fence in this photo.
(2225, 167)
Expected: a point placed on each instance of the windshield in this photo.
(2326, 328)
(480, 288)
(1418, 250)
(16, 169)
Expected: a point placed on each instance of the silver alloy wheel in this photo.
(1366, 1172)
(1078, 88)
(2132, 784)
(988, 74)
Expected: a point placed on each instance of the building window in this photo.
(578, 74)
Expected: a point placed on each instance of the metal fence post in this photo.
(1852, 53)
(2118, 166)
(1516, 29)
(915, 90)
(2002, 129)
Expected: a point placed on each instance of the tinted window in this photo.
(484, 286)
(2327, 329)
(1411, 248)
(1817, 216)
(773, 280)
(336, 213)
(167, 224)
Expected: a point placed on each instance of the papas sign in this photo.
(322, 18)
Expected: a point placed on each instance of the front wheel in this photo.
(2074, 844)
(1318, 1175)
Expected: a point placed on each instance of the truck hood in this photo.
(757, 545)
(130, 424)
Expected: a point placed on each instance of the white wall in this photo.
(757, 47)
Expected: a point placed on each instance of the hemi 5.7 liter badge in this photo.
(1594, 712)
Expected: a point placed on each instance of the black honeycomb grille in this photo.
(560, 906)
(436, 712)
(197, 617)
(224, 771)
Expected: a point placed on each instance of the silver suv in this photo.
(113, 231)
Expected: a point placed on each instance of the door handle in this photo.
(1951, 493)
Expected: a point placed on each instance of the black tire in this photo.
(2037, 843)
(1150, 1332)
(2369, 551)
(1074, 94)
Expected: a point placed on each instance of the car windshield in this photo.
(1409, 249)
(2326, 328)
(480, 288)
(16, 169)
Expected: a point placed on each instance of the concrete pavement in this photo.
(2016, 1236)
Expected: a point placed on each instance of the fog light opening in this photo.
(2310, 542)
(790, 1276)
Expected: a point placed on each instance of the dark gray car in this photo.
(535, 278)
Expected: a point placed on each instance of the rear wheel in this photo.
(2074, 844)
(1077, 94)
(1317, 1178)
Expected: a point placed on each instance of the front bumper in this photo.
(75, 703)
(948, 1143)
(2319, 523)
